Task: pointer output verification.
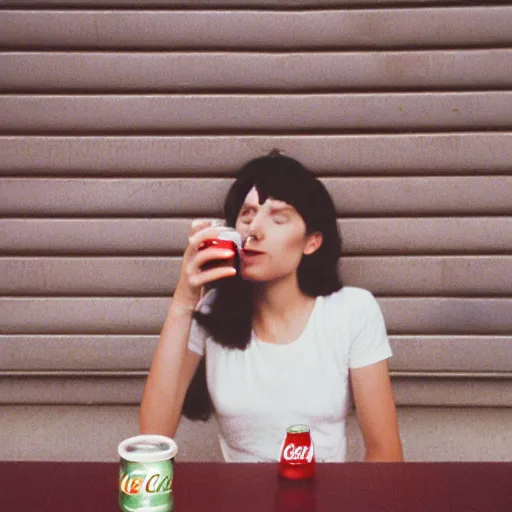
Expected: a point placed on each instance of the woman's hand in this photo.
(193, 274)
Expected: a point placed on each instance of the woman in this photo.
(283, 341)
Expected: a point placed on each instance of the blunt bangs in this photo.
(282, 178)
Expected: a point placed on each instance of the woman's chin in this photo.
(252, 275)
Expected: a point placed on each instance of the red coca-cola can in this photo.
(297, 461)
(229, 239)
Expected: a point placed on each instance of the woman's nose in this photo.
(256, 227)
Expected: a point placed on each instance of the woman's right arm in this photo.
(171, 371)
(173, 364)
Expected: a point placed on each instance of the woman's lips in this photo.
(250, 253)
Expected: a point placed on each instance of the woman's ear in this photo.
(313, 243)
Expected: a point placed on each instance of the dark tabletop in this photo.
(411, 487)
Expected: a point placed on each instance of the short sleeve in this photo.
(369, 340)
(198, 334)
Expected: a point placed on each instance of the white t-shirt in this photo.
(259, 392)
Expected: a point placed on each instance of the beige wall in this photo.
(120, 121)
(93, 432)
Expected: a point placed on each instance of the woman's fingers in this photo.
(211, 257)
(208, 276)
(210, 254)
(203, 266)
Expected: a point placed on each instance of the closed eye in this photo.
(245, 219)
(281, 219)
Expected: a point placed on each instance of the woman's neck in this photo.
(281, 311)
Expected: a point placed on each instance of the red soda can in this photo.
(229, 239)
(297, 461)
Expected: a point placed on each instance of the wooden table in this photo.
(203, 487)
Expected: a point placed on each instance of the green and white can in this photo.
(146, 473)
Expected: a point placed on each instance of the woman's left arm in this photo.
(376, 412)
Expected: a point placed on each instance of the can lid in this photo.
(148, 448)
(297, 429)
(232, 235)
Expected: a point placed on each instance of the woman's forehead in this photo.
(253, 199)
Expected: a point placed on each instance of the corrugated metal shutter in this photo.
(122, 120)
